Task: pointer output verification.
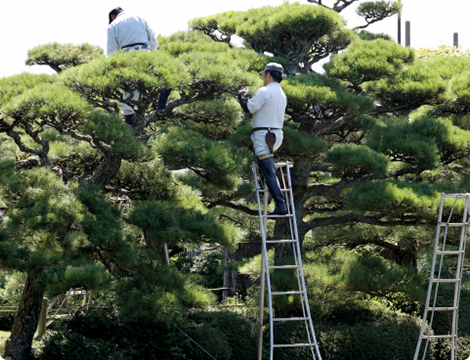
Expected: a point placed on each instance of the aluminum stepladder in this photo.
(306, 318)
(434, 281)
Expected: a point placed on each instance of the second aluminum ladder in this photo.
(305, 318)
(460, 202)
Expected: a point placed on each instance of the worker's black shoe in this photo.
(280, 209)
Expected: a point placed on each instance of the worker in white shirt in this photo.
(130, 32)
(268, 106)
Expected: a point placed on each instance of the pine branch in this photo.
(319, 2)
(376, 12)
(41, 153)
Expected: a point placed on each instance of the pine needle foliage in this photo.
(301, 34)
(62, 56)
(369, 60)
(356, 160)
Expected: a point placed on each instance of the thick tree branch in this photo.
(326, 128)
(366, 219)
(375, 241)
(338, 6)
(231, 205)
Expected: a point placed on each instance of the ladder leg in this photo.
(262, 284)
(443, 251)
(286, 189)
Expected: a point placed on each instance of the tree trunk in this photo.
(139, 124)
(18, 346)
(299, 176)
(107, 170)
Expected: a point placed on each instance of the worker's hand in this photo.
(243, 99)
(243, 95)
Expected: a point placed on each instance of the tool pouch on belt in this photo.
(270, 140)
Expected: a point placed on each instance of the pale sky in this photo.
(29, 23)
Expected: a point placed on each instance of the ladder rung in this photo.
(291, 319)
(280, 241)
(284, 267)
(439, 336)
(455, 195)
(293, 345)
(453, 224)
(444, 308)
(266, 190)
(280, 164)
(450, 252)
(445, 280)
(287, 292)
(278, 216)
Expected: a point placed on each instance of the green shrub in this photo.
(102, 335)
(359, 330)
(442, 348)
(223, 334)
(393, 337)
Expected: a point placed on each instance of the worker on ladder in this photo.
(268, 106)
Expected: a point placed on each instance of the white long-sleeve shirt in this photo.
(129, 29)
(268, 106)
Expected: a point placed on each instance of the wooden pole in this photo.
(42, 319)
(407, 34)
(456, 39)
(226, 274)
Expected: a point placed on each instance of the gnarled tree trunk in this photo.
(18, 346)
(107, 170)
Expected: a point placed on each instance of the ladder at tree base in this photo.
(305, 319)
(461, 200)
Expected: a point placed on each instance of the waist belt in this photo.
(264, 128)
(135, 44)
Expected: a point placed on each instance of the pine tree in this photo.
(64, 147)
(370, 140)
(370, 128)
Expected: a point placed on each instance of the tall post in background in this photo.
(456, 39)
(399, 30)
(407, 34)
(399, 24)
